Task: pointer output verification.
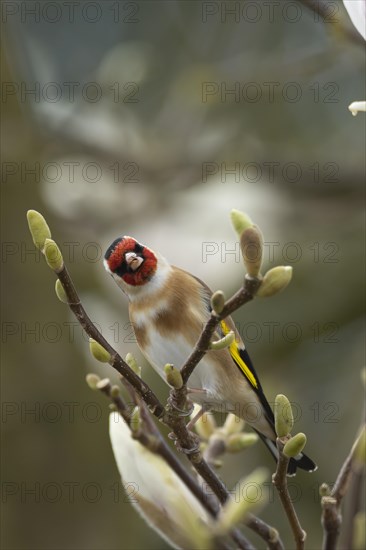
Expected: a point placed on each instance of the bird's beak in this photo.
(133, 261)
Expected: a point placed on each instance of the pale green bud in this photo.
(224, 342)
(115, 391)
(273, 535)
(240, 221)
(218, 301)
(132, 363)
(284, 419)
(237, 442)
(295, 445)
(53, 255)
(173, 376)
(249, 497)
(92, 380)
(98, 352)
(251, 244)
(324, 490)
(60, 292)
(275, 280)
(233, 424)
(38, 228)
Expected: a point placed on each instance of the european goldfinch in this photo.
(168, 308)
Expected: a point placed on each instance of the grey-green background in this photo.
(150, 118)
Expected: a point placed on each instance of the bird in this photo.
(168, 308)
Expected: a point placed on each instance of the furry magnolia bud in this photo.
(240, 221)
(38, 228)
(224, 342)
(98, 352)
(132, 363)
(295, 445)
(251, 244)
(204, 425)
(53, 255)
(236, 509)
(115, 391)
(92, 380)
(233, 424)
(275, 280)
(60, 292)
(218, 301)
(324, 490)
(239, 441)
(284, 419)
(173, 376)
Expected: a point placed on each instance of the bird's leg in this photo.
(196, 417)
(196, 390)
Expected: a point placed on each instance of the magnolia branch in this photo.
(280, 482)
(328, 13)
(215, 448)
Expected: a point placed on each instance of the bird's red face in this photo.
(130, 260)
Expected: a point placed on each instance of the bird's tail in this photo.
(301, 461)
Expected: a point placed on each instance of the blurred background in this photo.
(155, 119)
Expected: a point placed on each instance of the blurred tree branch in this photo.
(323, 10)
(331, 504)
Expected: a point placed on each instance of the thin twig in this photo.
(279, 480)
(215, 448)
(268, 533)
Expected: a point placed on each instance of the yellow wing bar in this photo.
(235, 354)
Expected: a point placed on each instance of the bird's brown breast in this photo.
(174, 309)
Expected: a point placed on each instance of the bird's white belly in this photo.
(162, 350)
(239, 399)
